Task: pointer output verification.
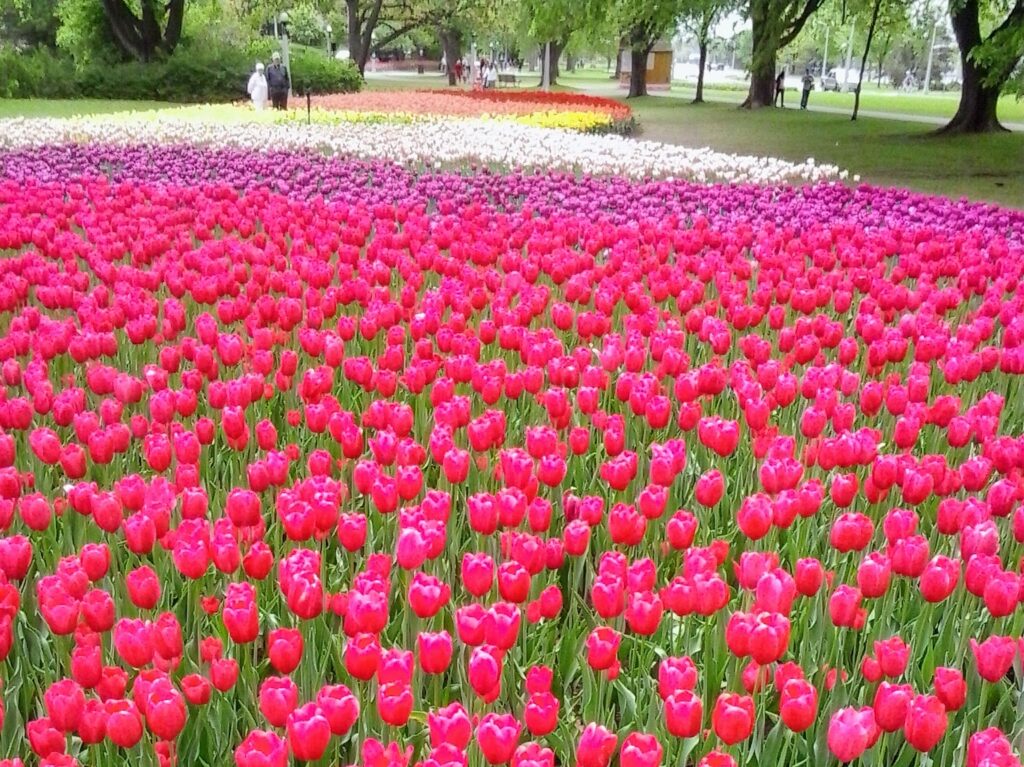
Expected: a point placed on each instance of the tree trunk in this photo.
(702, 64)
(618, 61)
(638, 72)
(150, 30)
(451, 42)
(762, 61)
(175, 18)
(772, 28)
(864, 58)
(977, 110)
(126, 29)
(557, 46)
(355, 35)
(882, 55)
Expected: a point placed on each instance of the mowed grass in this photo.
(880, 151)
(939, 105)
(73, 108)
(873, 99)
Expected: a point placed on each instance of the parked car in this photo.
(839, 80)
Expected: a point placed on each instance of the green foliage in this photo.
(36, 74)
(1002, 52)
(314, 71)
(645, 21)
(306, 25)
(189, 76)
(84, 33)
(29, 22)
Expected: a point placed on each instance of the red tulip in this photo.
(733, 717)
(950, 688)
(434, 651)
(124, 724)
(498, 736)
(684, 713)
(926, 722)
(993, 657)
(595, 746)
(262, 748)
(798, 704)
(851, 732)
(308, 733)
(450, 725)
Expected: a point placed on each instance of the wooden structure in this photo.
(659, 66)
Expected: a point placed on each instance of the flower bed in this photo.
(498, 144)
(310, 456)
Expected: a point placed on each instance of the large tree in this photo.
(155, 30)
(698, 17)
(644, 22)
(392, 18)
(988, 61)
(774, 25)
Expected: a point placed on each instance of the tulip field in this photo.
(460, 441)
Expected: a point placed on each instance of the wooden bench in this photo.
(507, 79)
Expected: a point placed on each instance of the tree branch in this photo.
(798, 23)
(394, 35)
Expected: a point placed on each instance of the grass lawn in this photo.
(53, 108)
(873, 98)
(924, 104)
(881, 151)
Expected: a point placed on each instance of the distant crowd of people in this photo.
(485, 74)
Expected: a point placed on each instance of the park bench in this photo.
(507, 79)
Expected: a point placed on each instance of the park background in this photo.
(69, 57)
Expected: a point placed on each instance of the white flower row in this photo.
(432, 143)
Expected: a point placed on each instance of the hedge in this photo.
(186, 77)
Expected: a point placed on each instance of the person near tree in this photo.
(808, 83)
(780, 89)
(278, 82)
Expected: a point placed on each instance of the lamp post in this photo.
(282, 21)
(931, 54)
(330, 30)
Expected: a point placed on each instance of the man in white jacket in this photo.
(258, 88)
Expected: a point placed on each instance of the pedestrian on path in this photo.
(808, 83)
(780, 89)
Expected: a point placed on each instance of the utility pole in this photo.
(928, 68)
(824, 59)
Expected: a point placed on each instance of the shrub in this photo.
(35, 74)
(195, 75)
(313, 71)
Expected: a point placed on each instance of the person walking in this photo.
(278, 82)
(491, 76)
(257, 88)
(780, 89)
(808, 83)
